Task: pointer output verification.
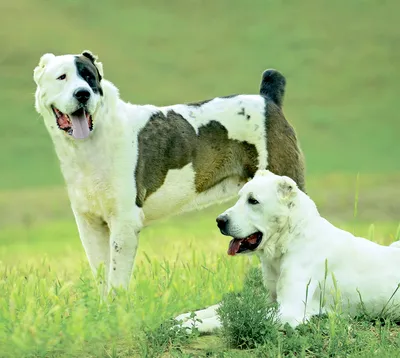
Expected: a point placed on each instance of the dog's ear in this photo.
(287, 189)
(38, 71)
(93, 58)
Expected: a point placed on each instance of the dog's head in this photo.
(260, 213)
(69, 91)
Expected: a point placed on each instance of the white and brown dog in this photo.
(309, 266)
(126, 165)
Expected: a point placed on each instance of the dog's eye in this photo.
(62, 77)
(252, 201)
(87, 76)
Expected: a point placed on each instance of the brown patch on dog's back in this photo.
(166, 142)
(219, 157)
(284, 154)
(170, 142)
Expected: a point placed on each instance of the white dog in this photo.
(126, 165)
(309, 266)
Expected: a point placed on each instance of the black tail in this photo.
(273, 86)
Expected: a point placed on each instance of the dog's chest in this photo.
(93, 194)
(90, 185)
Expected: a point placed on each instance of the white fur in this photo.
(100, 170)
(296, 247)
(205, 320)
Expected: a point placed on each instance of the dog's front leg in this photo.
(95, 237)
(295, 300)
(270, 278)
(123, 245)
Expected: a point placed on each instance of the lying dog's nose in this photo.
(82, 95)
(222, 222)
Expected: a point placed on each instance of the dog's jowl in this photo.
(127, 165)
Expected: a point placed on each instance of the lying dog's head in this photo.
(69, 90)
(261, 212)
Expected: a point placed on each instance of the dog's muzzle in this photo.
(238, 245)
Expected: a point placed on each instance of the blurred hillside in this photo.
(341, 60)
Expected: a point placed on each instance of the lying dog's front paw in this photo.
(183, 317)
(188, 321)
(191, 323)
(207, 325)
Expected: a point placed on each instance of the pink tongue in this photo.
(80, 125)
(234, 246)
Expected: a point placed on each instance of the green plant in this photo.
(170, 335)
(248, 320)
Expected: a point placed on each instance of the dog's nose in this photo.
(82, 95)
(222, 221)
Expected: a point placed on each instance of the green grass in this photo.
(340, 59)
(49, 304)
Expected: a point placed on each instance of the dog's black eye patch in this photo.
(87, 76)
(89, 72)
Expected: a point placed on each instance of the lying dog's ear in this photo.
(93, 58)
(38, 71)
(287, 188)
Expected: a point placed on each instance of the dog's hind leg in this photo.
(95, 237)
(125, 230)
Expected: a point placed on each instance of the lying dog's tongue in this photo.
(80, 125)
(234, 246)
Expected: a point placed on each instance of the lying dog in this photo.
(305, 259)
(126, 165)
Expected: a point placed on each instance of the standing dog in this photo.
(126, 165)
(305, 260)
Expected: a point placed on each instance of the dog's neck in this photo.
(302, 212)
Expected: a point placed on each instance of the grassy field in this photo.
(49, 305)
(341, 63)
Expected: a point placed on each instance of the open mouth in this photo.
(249, 243)
(78, 124)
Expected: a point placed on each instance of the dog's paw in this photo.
(187, 321)
(207, 325)
(183, 317)
(204, 321)
(191, 323)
